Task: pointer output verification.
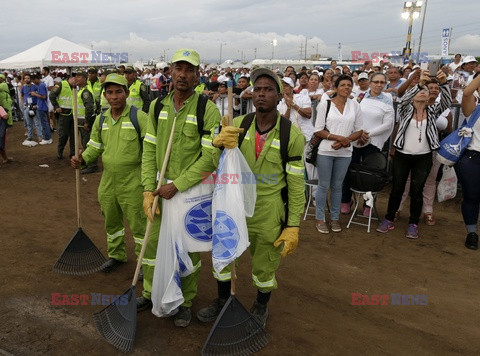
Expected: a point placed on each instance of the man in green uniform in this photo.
(86, 115)
(261, 149)
(95, 86)
(61, 98)
(190, 158)
(138, 91)
(120, 189)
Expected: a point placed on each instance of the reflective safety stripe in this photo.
(275, 144)
(266, 284)
(207, 143)
(117, 234)
(97, 145)
(222, 276)
(134, 99)
(105, 126)
(138, 240)
(148, 261)
(191, 119)
(247, 136)
(150, 138)
(127, 125)
(163, 115)
(295, 170)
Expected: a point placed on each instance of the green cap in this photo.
(115, 79)
(265, 72)
(92, 70)
(81, 73)
(129, 69)
(187, 55)
(2, 76)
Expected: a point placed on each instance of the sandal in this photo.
(429, 219)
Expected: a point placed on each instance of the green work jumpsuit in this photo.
(190, 158)
(120, 189)
(265, 226)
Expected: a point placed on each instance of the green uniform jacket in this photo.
(6, 101)
(268, 169)
(191, 155)
(118, 144)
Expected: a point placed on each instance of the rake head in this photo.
(235, 332)
(117, 323)
(80, 257)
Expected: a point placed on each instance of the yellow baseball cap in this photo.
(115, 79)
(187, 55)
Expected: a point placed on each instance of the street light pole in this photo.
(221, 45)
(411, 11)
(274, 43)
(421, 31)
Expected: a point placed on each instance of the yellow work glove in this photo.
(228, 137)
(148, 199)
(289, 237)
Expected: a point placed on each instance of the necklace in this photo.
(421, 123)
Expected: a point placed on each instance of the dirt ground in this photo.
(310, 314)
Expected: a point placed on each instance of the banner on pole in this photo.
(445, 41)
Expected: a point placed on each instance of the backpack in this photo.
(285, 125)
(133, 119)
(201, 105)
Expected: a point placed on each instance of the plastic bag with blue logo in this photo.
(186, 227)
(233, 200)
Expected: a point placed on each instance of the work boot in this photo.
(110, 265)
(143, 304)
(211, 312)
(471, 241)
(260, 311)
(89, 169)
(183, 317)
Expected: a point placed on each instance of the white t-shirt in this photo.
(378, 120)
(304, 124)
(416, 138)
(454, 66)
(338, 124)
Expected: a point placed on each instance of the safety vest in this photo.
(96, 89)
(200, 88)
(80, 105)
(134, 96)
(104, 105)
(65, 98)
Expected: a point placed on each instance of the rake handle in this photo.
(155, 203)
(230, 123)
(77, 153)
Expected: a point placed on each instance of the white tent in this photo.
(53, 52)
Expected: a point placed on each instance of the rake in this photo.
(81, 256)
(236, 331)
(117, 323)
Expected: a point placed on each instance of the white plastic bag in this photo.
(186, 227)
(234, 199)
(447, 187)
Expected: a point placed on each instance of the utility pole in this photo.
(305, 48)
(421, 31)
(301, 49)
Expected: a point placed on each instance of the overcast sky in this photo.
(148, 29)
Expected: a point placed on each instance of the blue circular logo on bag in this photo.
(226, 236)
(198, 221)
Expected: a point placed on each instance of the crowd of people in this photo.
(402, 112)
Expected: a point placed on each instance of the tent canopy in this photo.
(57, 52)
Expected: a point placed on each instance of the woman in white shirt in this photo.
(416, 138)
(314, 91)
(338, 127)
(378, 119)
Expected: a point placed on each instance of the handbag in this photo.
(312, 147)
(453, 146)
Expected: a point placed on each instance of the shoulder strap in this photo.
(329, 103)
(100, 123)
(134, 120)
(201, 105)
(245, 125)
(158, 107)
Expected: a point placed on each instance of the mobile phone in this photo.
(434, 66)
(424, 66)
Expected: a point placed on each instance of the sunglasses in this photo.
(378, 82)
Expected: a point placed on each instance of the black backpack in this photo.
(285, 125)
(133, 119)
(201, 105)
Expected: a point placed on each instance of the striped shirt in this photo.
(406, 111)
